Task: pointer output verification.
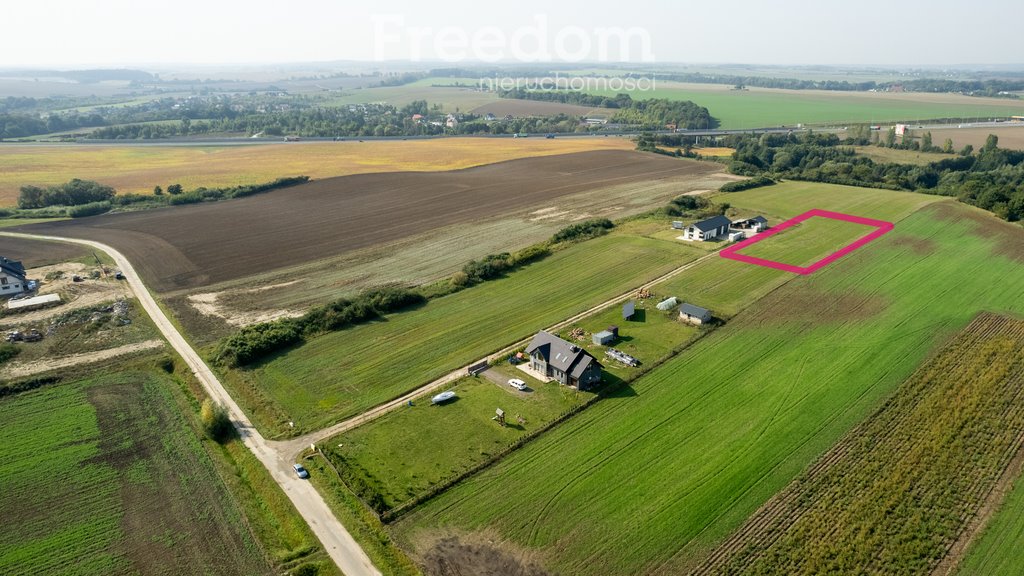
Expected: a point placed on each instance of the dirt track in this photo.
(190, 246)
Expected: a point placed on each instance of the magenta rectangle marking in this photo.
(881, 228)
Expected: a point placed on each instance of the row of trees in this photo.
(992, 178)
(72, 193)
(654, 113)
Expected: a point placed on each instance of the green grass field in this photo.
(410, 450)
(759, 107)
(809, 241)
(893, 495)
(651, 482)
(104, 476)
(399, 456)
(343, 373)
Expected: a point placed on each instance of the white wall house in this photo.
(12, 278)
(707, 229)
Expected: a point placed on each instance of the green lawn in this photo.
(809, 241)
(408, 451)
(104, 476)
(649, 482)
(346, 372)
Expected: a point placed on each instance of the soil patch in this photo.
(455, 556)
(811, 307)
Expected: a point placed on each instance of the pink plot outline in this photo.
(882, 228)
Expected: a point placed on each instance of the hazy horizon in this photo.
(873, 33)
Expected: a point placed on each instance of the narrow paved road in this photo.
(338, 543)
(294, 445)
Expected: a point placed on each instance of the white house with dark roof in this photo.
(709, 229)
(563, 361)
(12, 278)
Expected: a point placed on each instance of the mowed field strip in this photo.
(138, 168)
(651, 482)
(195, 245)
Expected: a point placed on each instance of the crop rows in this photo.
(894, 495)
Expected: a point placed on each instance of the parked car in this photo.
(300, 471)
(517, 384)
(119, 275)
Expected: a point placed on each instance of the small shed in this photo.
(678, 224)
(734, 236)
(603, 338)
(628, 310)
(694, 314)
(668, 303)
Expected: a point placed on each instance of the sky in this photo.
(81, 33)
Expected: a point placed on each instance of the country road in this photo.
(337, 542)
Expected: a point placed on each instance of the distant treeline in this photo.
(990, 87)
(992, 178)
(653, 113)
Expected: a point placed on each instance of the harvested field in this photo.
(1011, 135)
(138, 168)
(191, 246)
(911, 476)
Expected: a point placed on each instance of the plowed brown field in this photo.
(190, 246)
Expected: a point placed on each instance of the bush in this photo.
(491, 266)
(583, 230)
(747, 184)
(91, 209)
(254, 342)
(460, 279)
(531, 254)
(8, 351)
(216, 423)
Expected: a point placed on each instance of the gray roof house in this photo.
(757, 223)
(563, 361)
(12, 277)
(694, 314)
(707, 229)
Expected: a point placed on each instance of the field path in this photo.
(21, 369)
(337, 542)
(295, 445)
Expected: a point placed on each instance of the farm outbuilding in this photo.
(694, 314)
(603, 338)
(734, 236)
(668, 303)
